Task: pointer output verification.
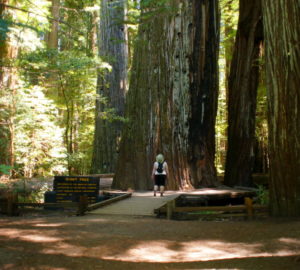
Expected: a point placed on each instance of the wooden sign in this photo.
(70, 188)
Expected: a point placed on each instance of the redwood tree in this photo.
(111, 86)
(282, 35)
(242, 92)
(172, 99)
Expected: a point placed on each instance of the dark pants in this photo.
(160, 180)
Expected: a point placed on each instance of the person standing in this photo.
(159, 174)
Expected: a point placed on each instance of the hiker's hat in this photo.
(160, 158)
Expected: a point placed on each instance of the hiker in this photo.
(159, 174)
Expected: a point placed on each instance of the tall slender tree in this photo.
(282, 35)
(172, 99)
(242, 92)
(8, 87)
(52, 36)
(111, 87)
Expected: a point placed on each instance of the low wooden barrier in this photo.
(11, 207)
(8, 203)
(109, 201)
(103, 175)
(248, 210)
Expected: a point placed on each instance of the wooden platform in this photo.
(143, 203)
(140, 203)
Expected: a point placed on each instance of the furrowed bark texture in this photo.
(242, 93)
(282, 35)
(204, 93)
(161, 105)
(230, 40)
(111, 86)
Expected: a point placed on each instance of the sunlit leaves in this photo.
(21, 18)
(39, 146)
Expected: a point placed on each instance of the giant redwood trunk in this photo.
(282, 35)
(242, 92)
(111, 86)
(172, 98)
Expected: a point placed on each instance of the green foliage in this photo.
(263, 195)
(23, 22)
(5, 169)
(4, 24)
(55, 95)
(39, 147)
(3, 186)
(30, 190)
(70, 78)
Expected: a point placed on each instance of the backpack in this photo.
(160, 167)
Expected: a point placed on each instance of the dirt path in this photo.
(131, 242)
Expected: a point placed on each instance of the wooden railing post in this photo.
(249, 207)
(170, 209)
(12, 204)
(82, 205)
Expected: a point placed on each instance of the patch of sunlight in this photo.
(167, 193)
(66, 249)
(96, 220)
(171, 251)
(49, 225)
(167, 251)
(52, 268)
(27, 235)
(289, 240)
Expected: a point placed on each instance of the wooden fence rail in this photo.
(109, 201)
(248, 210)
(9, 204)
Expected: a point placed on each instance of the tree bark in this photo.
(282, 35)
(174, 63)
(112, 86)
(242, 93)
(230, 39)
(52, 37)
(204, 93)
(8, 87)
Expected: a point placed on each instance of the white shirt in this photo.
(164, 168)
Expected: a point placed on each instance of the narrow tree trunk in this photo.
(8, 88)
(3, 122)
(282, 34)
(92, 34)
(174, 63)
(243, 83)
(111, 86)
(52, 37)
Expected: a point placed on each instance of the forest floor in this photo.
(63, 241)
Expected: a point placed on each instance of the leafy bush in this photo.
(29, 190)
(263, 195)
(4, 169)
